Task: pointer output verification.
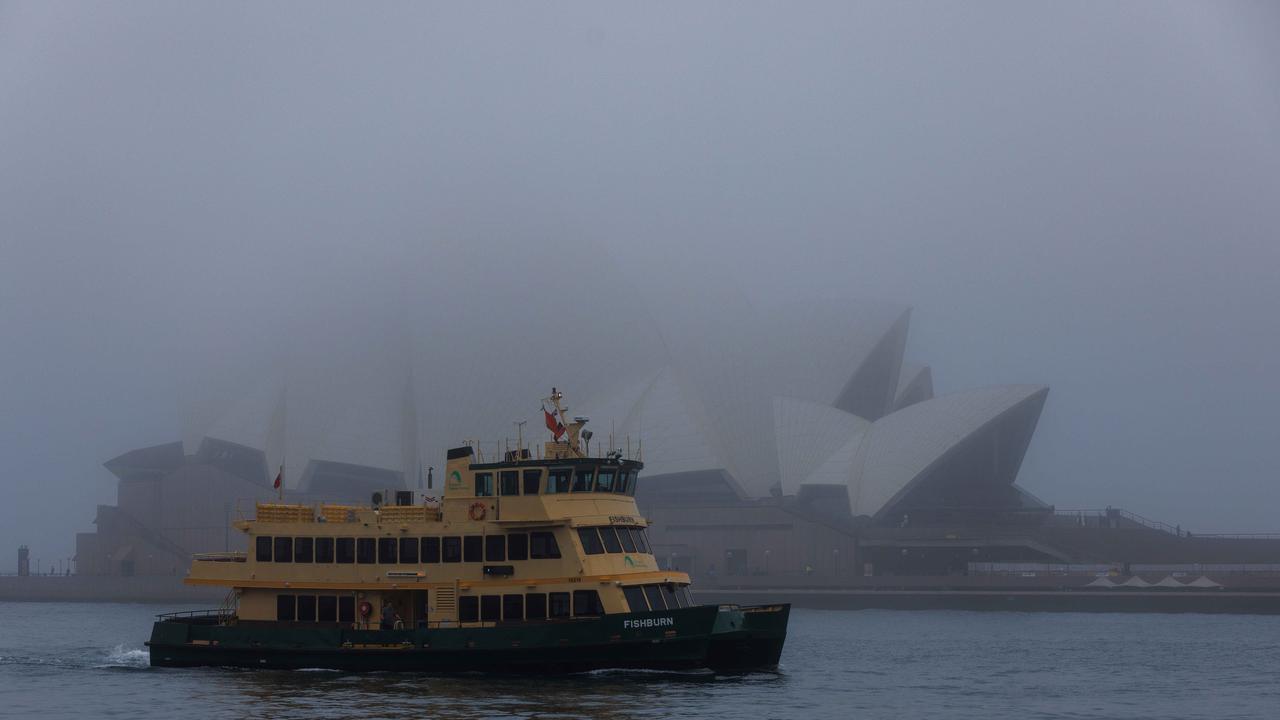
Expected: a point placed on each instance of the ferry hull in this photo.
(730, 639)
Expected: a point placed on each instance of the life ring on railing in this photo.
(477, 511)
(366, 609)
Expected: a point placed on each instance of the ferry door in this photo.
(418, 608)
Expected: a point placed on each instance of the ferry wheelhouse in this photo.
(529, 563)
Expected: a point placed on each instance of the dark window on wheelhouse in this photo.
(468, 608)
(452, 549)
(262, 548)
(610, 538)
(346, 608)
(558, 480)
(535, 606)
(286, 608)
(387, 547)
(345, 550)
(324, 550)
(473, 548)
(591, 544)
(490, 608)
(623, 485)
(587, 603)
(284, 549)
(327, 608)
(304, 549)
(409, 550)
(654, 596)
(512, 607)
(682, 592)
(484, 484)
(671, 596)
(307, 608)
(543, 546)
(635, 598)
(558, 606)
(628, 543)
(582, 479)
(642, 542)
(430, 549)
(366, 551)
(604, 479)
(495, 548)
(509, 482)
(518, 546)
(532, 481)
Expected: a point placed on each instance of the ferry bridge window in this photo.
(307, 608)
(365, 550)
(452, 547)
(543, 546)
(509, 482)
(624, 481)
(512, 607)
(518, 546)
(682, 592)
(387, 550)
(490, 608)
(303, 549)
(346, 550)
(532, 481)
(590, 541)
(284, 549)
(642, 541)
(324, 550)
(409, 550)
(535, 606)
(286, 608)
(495, 548)
(559, 605)
(582, 479)
(628, 543)
(635, 598)
(468, 608)
(604, 480)
(671, 596)
(473, 548)
(262, 547)
(610, 538)
(430, 549)
(346, 609)
(558, 480)
(327, 608)
(587, 603)
(484, 484)
(654, 596)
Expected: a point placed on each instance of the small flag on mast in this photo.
(279, 483)
(553, 424)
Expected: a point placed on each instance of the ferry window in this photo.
(387, 550)
(604, 480)
(307, 608)
(327, 608)
(672, 597)
(543, 546)
(535, 606)
(558, 480)
(430, 549)
(286, 608)
(582, 479)
(624, 480)
(324, 550)
(517, 546)
(590, 541)
(610, 538)
(642, 542)
(586, 603)
(409, 550)
(635, 598)
(346, 550)
(654, 596)
(495, 548)
(532, 481)
(484, 484)
(452, 549)
(683, 593)
(559, 605)
(490, 608)
(512, 607)
(304, 549)
(365, 549)
(262, 544)
(473, 548)
(628, 542)
(468, 608)
(346, 608)
(509, 482)
(284, 549)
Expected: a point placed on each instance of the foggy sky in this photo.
(195, 196)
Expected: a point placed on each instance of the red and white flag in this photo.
(552, 423)
(279, 478)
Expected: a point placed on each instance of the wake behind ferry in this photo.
(531, 564)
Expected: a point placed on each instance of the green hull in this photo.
(689, 638)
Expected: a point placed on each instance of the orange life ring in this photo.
(366, 609)
(477, 511)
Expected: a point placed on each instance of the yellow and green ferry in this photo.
(531, 563)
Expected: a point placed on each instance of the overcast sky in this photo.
(1083, 195)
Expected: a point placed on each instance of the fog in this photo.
(203, 203)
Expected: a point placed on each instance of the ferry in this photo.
(529, 563)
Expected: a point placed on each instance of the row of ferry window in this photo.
(559, 480)
(449, 549)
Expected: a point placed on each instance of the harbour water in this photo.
(87, 660)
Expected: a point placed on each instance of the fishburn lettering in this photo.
(648, 623)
